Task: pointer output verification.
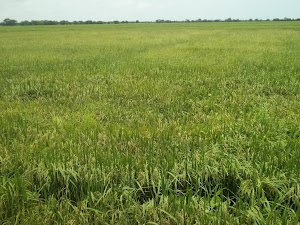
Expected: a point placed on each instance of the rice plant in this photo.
(192, 123)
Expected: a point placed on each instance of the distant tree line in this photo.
(12, 22)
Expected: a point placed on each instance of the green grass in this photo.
(150, 124)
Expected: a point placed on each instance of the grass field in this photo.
(193, 123)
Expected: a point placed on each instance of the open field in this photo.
(150, 124)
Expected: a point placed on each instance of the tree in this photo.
(35, 22)
(25, 23)
(64, 22)
(9, 22)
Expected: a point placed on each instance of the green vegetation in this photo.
(194, 123)
(11, 22)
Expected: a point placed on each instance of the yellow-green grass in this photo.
(192, 123)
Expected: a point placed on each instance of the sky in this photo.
(147, 10)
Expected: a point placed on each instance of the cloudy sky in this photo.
(145, 10)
